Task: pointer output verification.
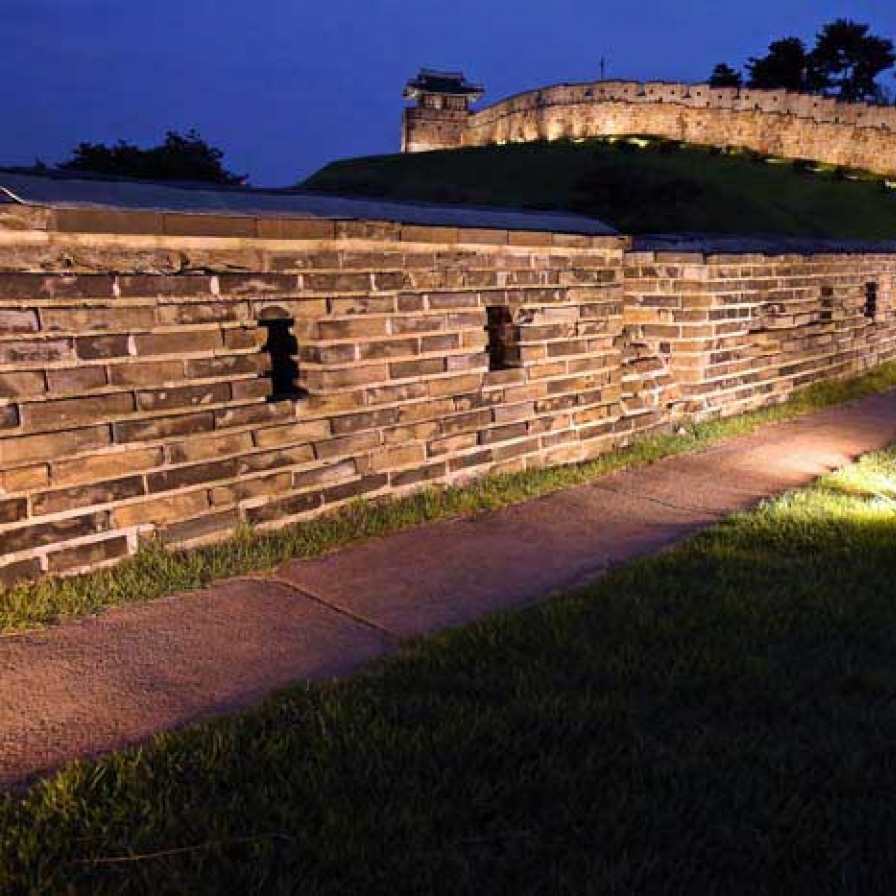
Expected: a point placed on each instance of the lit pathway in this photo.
(87, 687)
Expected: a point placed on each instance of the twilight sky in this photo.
(284, 86)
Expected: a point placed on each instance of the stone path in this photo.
(87, 687)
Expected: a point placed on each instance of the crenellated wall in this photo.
(136, 360)
(775, 122)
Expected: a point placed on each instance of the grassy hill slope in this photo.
(640, 186)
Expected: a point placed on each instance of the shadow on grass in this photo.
(717, 719)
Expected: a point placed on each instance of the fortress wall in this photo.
(743, 331)
(135, 401)
(769, 121)
(134, 363)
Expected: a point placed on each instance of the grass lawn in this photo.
(718, 719)
(156, 571)
(660, 187)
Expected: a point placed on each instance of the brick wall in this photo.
(742, 331)
(775, 122)
(137, 349)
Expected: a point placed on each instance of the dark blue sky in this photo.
(283, 86)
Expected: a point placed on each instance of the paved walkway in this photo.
(87, 687)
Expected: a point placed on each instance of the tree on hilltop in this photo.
(787, 64)
(180, 157)
(723, 75)
(848, 60)
(845, 63)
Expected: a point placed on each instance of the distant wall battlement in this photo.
(776, 122)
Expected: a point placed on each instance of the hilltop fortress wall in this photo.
(775, 122)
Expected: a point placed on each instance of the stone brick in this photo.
(337, 282)
(412, 233)
(417, 475)
(83, 320)
(88, 555)
(161, 510)
(182, 477)
(203, 313)
(88, 495)
(352, 328)
(209, 225)
(55, 286)
(503, 433)
(13, 509)
(209, 446)
(227, 366)
(396, 457)
(27, 538)
(257, 284)
(321, 380)
(152, 286)
(146, 373)
(347, 445)
(444, 301)
(474, 459)
(395, 348)
(424, 367)
(368, 420)
(183, 342)
(67, 411)
(244, 338)
(288, 456)
(22, 384)
(89, 220)
(294, 505)
(261, 413)
(76, 379)
(96, 347)
(211, 526)
(36, 352)
(163, 427)
(9, 416)
(355, 489)
(295, 229)
(18, 320)
(24, 479)
(322, 476)
(106, 466)
(50, 446)
(263, 486)
(183, 397)
(11, 574)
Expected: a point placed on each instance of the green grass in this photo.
(156, 571)
(661, 187)
(718, 719)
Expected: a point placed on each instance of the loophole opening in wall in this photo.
(870, 307)
(282, 349)
(499, 324)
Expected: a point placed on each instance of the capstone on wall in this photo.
(775, 122)
(138, 363)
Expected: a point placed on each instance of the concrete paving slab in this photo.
(88, 687)
(449, 573)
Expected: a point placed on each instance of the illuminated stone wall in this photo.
(775, 122)
(135, 387)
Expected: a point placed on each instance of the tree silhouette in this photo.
(180, 157)
(787, 64)
(723, 75)
(848, 60)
